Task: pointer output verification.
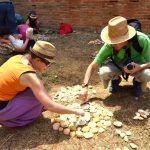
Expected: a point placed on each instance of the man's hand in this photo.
(136, 68)
(83, 95)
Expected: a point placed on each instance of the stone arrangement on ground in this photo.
(72, 93)
(96, 120)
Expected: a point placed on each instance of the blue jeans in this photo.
(7, 16)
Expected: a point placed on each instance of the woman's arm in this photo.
(31, 80)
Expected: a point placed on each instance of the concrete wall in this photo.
(92, 14)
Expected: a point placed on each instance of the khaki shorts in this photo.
(109, 72)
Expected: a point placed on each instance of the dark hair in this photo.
(4, 31)
(33, 55)
(20, 22)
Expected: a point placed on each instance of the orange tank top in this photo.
(10, 73)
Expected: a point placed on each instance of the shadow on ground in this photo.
(30, 136)
(127, 105)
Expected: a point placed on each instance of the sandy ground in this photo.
(74, 55)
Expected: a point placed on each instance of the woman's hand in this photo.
(79, 112)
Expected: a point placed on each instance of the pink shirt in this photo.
(22, 30)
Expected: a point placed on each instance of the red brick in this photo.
(85, 13)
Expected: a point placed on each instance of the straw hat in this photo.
(32, 15)
(45, 50)
(117, 31)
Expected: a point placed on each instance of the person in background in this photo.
(6, 47)
(22, 28)
(33, 21)
(7, 15)
(117, 37)
(19, 19)
(25, 31)
(11, 45)
(20, 45)
(22, 94)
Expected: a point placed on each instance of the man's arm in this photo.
(91, 68)
(31, 80)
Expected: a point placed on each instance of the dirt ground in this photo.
(74, 55)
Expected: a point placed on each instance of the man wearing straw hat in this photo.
(22, 94)
(117, 36)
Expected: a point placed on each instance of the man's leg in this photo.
(2, 14)
(109, 72)
(140, 82)
(10, 18)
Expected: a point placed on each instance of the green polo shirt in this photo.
(107, 50)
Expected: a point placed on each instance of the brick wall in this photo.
(92, 14)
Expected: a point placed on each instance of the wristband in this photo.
(84, 85)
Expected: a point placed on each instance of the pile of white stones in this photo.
(141, 114)
(96, 120)
(71, 93)
(125, 135)
(95, 42)
(42, 37)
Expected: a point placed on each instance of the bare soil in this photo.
(73, 58)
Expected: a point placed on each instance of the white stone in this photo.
(88, 135)
(94, 91)
(72, 134)
(126, 139)
(92, 124)
(118, 131)
(63, 89)
(90, 87)
(137, 114)
(101, 130)
(73, 120)
(147, 112)
(107, 123)
(85, 106)
(110, 114)
(93, 110)
(122, 135)
(125, 148)
(136, 117)
(94, 130)
(133, 146)
(117, 123)
(141, 118)
(56, 126)
(118, 148)
(79, 134)
(128, 133)
(81, 121)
